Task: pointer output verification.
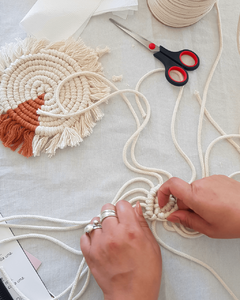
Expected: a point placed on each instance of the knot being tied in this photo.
(153, 211)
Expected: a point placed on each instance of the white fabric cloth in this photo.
(78, 181)
(60, 19)
(116, 6)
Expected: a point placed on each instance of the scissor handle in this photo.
(171, 65)
(177, 57)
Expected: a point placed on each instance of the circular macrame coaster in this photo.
(30, 71)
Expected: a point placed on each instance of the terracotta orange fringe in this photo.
(17, 127)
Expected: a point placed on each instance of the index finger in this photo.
(178, 188)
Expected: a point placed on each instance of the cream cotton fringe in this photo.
(147, 197)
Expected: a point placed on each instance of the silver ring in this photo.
(107, 213)
(90, 227)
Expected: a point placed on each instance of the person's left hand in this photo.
(124, 256)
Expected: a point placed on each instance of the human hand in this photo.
(210, 205)
(124, 256)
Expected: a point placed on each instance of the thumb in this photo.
(143, 223)
(139, 214)
(190, 220)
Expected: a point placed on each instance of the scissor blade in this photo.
(149, 45)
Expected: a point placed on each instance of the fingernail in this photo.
(173, 219)
(139, 209)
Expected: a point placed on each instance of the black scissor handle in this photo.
(177, 57)
(170, 66)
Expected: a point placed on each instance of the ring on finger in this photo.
(107, 213)
(90, 227)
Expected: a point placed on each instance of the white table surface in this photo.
(78, 181)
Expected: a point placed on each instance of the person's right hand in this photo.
(124, 256)
(210, 205)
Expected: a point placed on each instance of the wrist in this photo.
(130, 296)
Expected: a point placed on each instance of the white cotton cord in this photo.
(44, 237)
(45, 228)
(234, 174)
(190, 233)
(42, 218)
(75, 282)
(148, 171)
(181, 231)
(179, 253)
(128, 183)
(70, 286)
(227, 136)
(133, 191)
(187, 159)
(138, 86)
(13, 286)
(68, 115)
(133, 139)
(179, 13)
(77, 224)
(215, 124)
(84, 286)
(135, 135)
(172, 128)
(79, 112)
(138, 198)
(186, 234)
(144, 114)
(172, 131)
(201, 115)
(121, 92)
(168, 227)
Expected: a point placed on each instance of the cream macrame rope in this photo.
(180, 13)
(200, 152)
(147, 197)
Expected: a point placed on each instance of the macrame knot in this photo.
(153, 211)
(168, 209)
(150, 203)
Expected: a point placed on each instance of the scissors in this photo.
(171, 60)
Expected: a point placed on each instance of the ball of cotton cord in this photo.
(179, 13)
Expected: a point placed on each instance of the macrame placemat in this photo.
(30, 71)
